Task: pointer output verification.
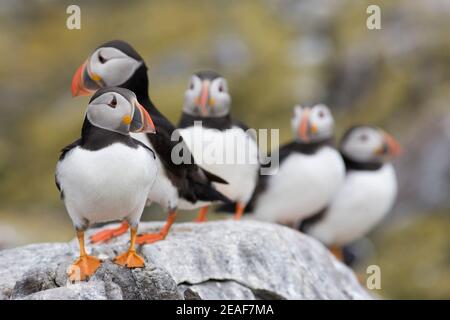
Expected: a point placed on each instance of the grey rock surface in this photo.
(214, 260)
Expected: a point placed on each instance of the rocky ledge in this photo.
(214, 260)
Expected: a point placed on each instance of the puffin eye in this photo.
(221, 88)
(191, 85)
(363, 137)
(101, 59)
(113, 102)
(321, 114)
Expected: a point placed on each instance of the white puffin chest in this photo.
(303, 185)
(163, 191)
(364, 199)
(230, 154)
(106, 184)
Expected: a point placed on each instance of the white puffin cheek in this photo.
(295, 122)
(117, 71)
(189, 98)
(222, 103)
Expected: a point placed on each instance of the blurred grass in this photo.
(414, 257)
(364, 76)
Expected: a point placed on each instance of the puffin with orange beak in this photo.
(310, 171)
(368, 193)
(179, 184)
(106, 175)
(219, 143)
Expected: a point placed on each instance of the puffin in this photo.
(182, 185)
(220, 143)
(106, 175)
(367, 194)
(309, 173)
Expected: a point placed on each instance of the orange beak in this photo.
(78, 87)
(204, 97)
(393, 147)
(303, 129)
(142, 121)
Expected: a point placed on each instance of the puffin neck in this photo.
(138, 83)
(351, 164)
(312, 147)
(220, 123)
(95, 138)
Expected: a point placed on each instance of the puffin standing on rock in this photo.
(367, 194)
(106, 175)
(219, 143)
(310, 171)
(178, 185)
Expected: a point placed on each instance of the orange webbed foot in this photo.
(150, 238)
(130, 259)
(83, 268)
(108, 234)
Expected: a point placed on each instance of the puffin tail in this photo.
(213, 178)
(209, 193)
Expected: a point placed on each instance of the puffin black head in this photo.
(117, 109)
(369, 144)
(312, 124)
(111, 64)
(207, 95)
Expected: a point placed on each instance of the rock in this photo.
(214, 260)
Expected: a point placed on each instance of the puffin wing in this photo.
(64, 152)
(185, 176)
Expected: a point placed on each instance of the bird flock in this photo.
(130, 155)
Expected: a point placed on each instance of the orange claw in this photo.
(83, 268)
(202, 215)
(161, 235)
(108, 234)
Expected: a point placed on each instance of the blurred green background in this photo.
(274, 54)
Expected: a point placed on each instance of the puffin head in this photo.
(111, 64)
(312, 124)
(365, 143)
(207, 95)
(117, 109)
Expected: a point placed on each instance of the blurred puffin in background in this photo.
(368, 193)
(310, 171)
(116, 63)
(106, 175)
(220, 143)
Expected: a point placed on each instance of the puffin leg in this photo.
(337, 252)
(130, 258)
(161, 235)
(85, 266)
(108, 234)
(202, 214)
(239, 211)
